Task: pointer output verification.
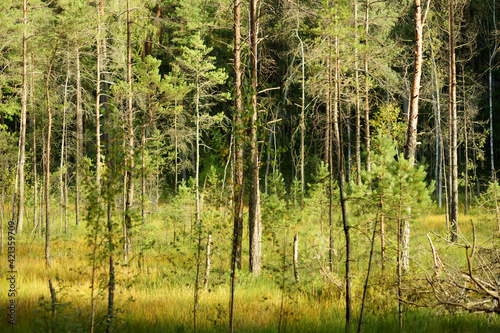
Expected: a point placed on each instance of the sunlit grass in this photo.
(155, 289)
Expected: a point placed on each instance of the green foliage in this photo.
(391, 183)
(388, 120)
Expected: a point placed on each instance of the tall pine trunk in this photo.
(453, 130)
(254, 214)
(33, 148)
(127, 225)
(22, 139)
(411, 134)
(62, 165)
(79, 132)
(330, 119)
(99, 46)
(239, 139)
(358, 102)
(47, 156)
(493, 52)
(340, 166)
(367, 91)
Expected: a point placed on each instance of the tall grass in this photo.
(157, 296)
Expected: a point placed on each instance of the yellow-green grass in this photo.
(158, 295)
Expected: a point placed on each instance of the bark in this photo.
(254, 213)
(490, 89)
(207, 262)
(33, 149)
(197, 164)
(24, 106)
(100, 15)
(466, 149)
(296, 258)
(127, 225)
(382, 233)
(330, 155)
(365, 287)
(411, 134)
(399, 259)
(197, 282)
(437, 116)
(357, 96)
(176, 181)
(367, 91)
(453, 131)
(302, 117)
(79, 132)
(239, 140)
(405, 241)
(62, 166)
(340, 164)
(111, 274)
(47, 156)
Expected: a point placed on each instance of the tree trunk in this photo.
(437, 115)
(99, 50)
(296, 258)
(111, 274)
(330, 155)
(239, 140)
(358, 102)
(197, 164)
(302, 117)
(365, 287)
(254, 214)
(399, 259)
(176, 181)
(130, 146)
(207, 262)
(47, 156)
(367, 91)
(62, 166)
(382, 233)
(197, 281)
(22, 139)
(466, 148)
(79, 132)
(490, 89)
(411, 134)
(33, 149)
(453, 131)
(340, 165)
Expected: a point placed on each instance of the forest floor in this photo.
(155, 289)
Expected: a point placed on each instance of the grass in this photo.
(158, 295)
